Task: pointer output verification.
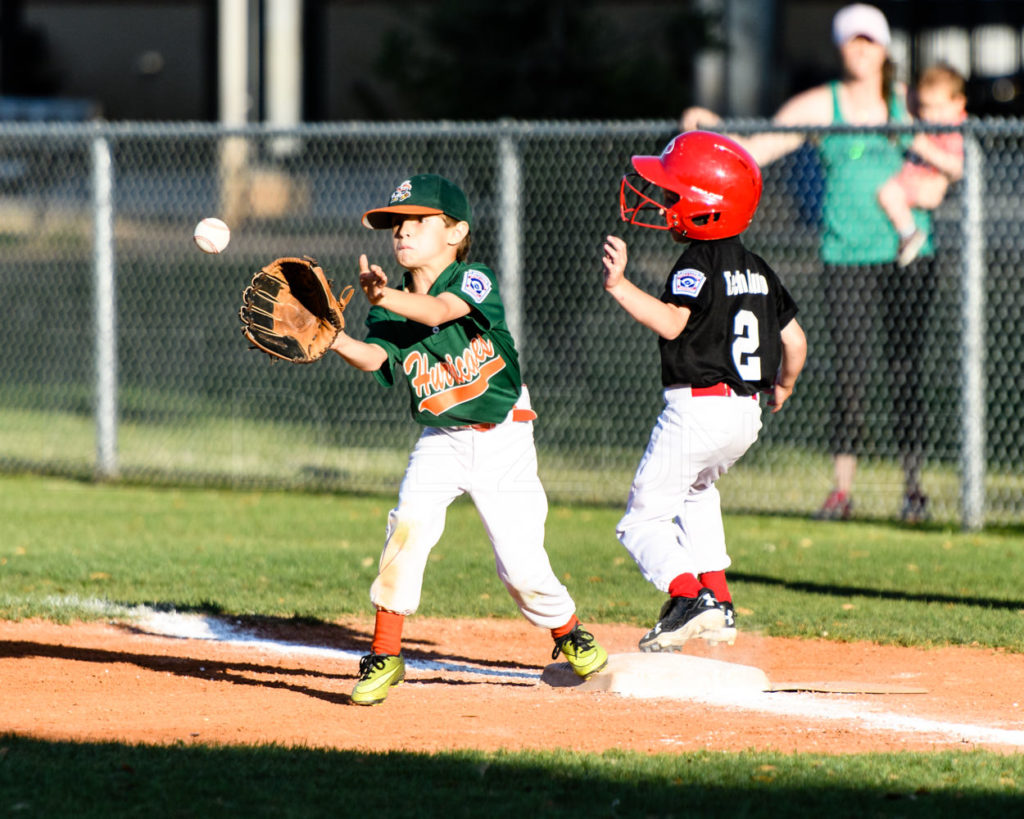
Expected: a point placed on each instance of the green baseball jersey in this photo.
(462, 372)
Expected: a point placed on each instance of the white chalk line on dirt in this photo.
(791, 704)
(814, 706)
(201, 627)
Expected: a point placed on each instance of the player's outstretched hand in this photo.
(372, 280)
(614, 261)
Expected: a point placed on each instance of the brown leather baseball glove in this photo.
(290, 312)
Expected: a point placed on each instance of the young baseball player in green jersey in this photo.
(443, 327)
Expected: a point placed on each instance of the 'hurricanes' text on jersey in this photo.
(462, 372)
(732, 335)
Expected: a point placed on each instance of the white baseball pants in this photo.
(673, 520)
(498, 469)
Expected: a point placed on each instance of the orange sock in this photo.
(685, 585)
(563, 630)
(716, 582)
(387, 632)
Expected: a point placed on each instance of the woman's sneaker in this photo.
(915, 508)
(837, 506)
(683, 618)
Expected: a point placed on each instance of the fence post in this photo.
(972, 354)
(105, 313)
(510, 239)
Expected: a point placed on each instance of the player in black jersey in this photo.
(726, 331)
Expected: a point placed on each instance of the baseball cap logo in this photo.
(423, 194)
(402, 192)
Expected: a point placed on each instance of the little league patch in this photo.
(687, 282)
(476, 285)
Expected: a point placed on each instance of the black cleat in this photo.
(727, 633)
(683, 618)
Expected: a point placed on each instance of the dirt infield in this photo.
(476, 684)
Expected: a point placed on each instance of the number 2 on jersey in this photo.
(745, 344)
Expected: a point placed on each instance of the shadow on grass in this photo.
(885, 521)
(831, 590)
(40, 778)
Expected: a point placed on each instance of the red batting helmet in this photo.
(703, 186)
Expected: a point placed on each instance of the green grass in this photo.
(102, 780)
(71, 549)
(178, 443)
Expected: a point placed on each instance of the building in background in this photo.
(164, 59)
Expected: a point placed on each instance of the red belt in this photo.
(719, 389)
(517, 415)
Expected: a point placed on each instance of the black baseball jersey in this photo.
(737, 306)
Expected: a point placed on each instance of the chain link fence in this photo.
(125, 358)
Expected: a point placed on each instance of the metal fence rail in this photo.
(128, 361)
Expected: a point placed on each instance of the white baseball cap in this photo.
(860, 20)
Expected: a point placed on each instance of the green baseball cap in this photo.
(422, 194)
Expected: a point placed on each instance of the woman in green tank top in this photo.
(870, 297)
(855, 228)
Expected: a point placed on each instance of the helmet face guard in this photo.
(702, 186)
(644, 204)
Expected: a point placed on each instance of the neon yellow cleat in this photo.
(377, 673)
(582, 651)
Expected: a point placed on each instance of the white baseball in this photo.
(211, 235)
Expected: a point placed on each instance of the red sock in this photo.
(716, 582)
(685, 585)
(387, 632)
(561, 631)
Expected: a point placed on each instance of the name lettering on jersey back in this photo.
(455, 380)
(738, 284)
